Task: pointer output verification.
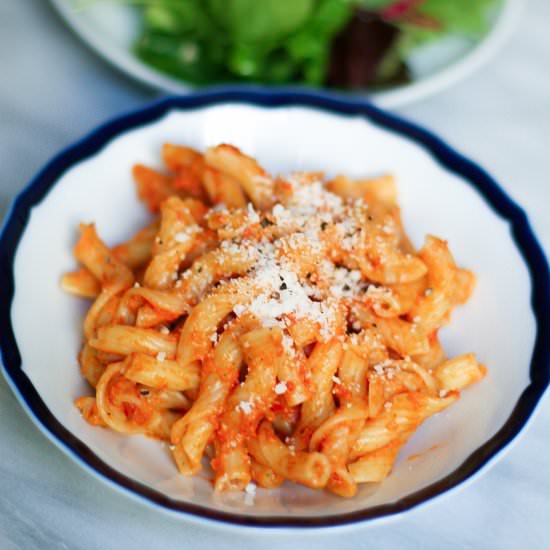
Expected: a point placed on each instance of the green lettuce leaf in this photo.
(264, 21)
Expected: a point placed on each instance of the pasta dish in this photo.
(277, 328)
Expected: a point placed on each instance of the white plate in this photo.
(110, 29)
(440, 193)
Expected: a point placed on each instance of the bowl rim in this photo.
(521, 232)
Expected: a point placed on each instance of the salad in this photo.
(339, 43)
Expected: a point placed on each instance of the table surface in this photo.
(53, 89)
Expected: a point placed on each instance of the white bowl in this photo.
(111, 28)
(440, 193)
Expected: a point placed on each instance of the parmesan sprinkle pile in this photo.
(296, 269)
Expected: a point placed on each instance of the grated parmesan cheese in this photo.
(239, 309)
(161, 356)
(186, 234)
(249, 493)
(245, 406)
(380, 368)
(288, 345)
(252, 214)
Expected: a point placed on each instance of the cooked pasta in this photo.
(281, 328)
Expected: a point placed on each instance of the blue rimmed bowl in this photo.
(440, 192)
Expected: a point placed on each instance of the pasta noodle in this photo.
(282, 328)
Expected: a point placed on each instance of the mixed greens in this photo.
(298, 41)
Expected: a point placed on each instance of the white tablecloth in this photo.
(53, 89)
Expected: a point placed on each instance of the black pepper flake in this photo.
(346, 287)
(265, 222)
(323, 226)
(369, 218)
(308, 276)
(144, 392)
(283, 287)
(199, 270)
